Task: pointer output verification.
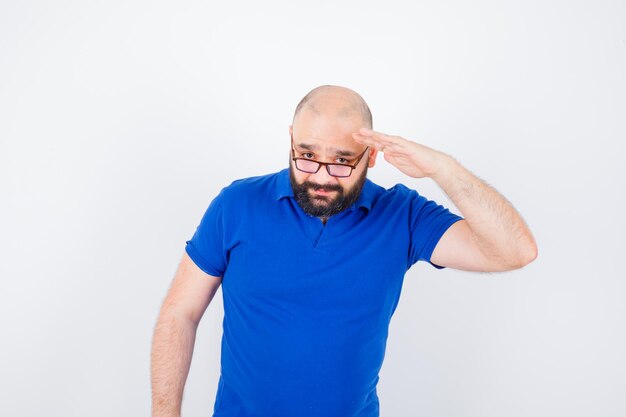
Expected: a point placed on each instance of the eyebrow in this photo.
(338, 152)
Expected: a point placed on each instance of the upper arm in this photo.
(458, 249)
(191, 290)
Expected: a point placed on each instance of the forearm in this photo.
(172, 350)
(497, 227)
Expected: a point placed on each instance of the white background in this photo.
(120, 121)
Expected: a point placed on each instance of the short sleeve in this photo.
(206, 247)
(428, 222)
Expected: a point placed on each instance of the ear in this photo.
(371, 157)
(290, 130)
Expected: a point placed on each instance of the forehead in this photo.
(331, 135)
(327, 142)
(322, 148)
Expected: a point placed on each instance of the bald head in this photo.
(333, 101)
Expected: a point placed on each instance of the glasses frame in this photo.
(326, 164)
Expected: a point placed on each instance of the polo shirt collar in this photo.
(283, 185)
(283, 189)
(366, 196)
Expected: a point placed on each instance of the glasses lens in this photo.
(340, 170)
(306, 165)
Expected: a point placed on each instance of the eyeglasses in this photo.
(336, 170)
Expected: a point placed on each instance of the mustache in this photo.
(314, 186)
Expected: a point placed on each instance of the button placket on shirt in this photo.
(333, 226)
(318, 233)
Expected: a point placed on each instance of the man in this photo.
(311, 261)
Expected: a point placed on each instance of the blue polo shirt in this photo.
(307, 306)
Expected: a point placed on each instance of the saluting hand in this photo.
(411, 158)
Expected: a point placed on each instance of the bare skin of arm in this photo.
(493, 237)
(175, 333)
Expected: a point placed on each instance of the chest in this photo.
(355, 260)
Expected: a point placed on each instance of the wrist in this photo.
(445, 167)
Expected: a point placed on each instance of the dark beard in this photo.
(314, 207)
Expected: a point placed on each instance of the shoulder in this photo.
(399, 194)
(250, 187)
(401, 190)
(398, 190)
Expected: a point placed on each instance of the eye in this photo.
(307, 153)
(342, 160)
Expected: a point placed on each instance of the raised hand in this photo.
(413, 159)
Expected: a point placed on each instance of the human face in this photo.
(320, 194)
(311, 166)
(325, 200)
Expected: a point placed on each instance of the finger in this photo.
(372, 134)
(375, 141)
(365, 131)
(367, 140)
(381, 146)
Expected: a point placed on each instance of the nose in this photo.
(322, 177)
